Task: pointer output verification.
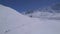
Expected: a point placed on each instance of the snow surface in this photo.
(12, 22)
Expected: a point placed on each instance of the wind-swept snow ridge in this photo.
(12, 22)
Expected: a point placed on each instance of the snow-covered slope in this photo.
(45, 13)
(12, 22)
(10, 19)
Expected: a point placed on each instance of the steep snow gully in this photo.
(12, 22)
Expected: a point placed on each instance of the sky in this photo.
(22, 5)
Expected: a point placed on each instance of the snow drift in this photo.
(12, 22)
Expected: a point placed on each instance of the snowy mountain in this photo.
(56, 7)
(10, 19)
(12, 22)
(52, 12)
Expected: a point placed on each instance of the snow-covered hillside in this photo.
(12, 22)
(52, 12)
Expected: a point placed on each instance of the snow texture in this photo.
(12, 22)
